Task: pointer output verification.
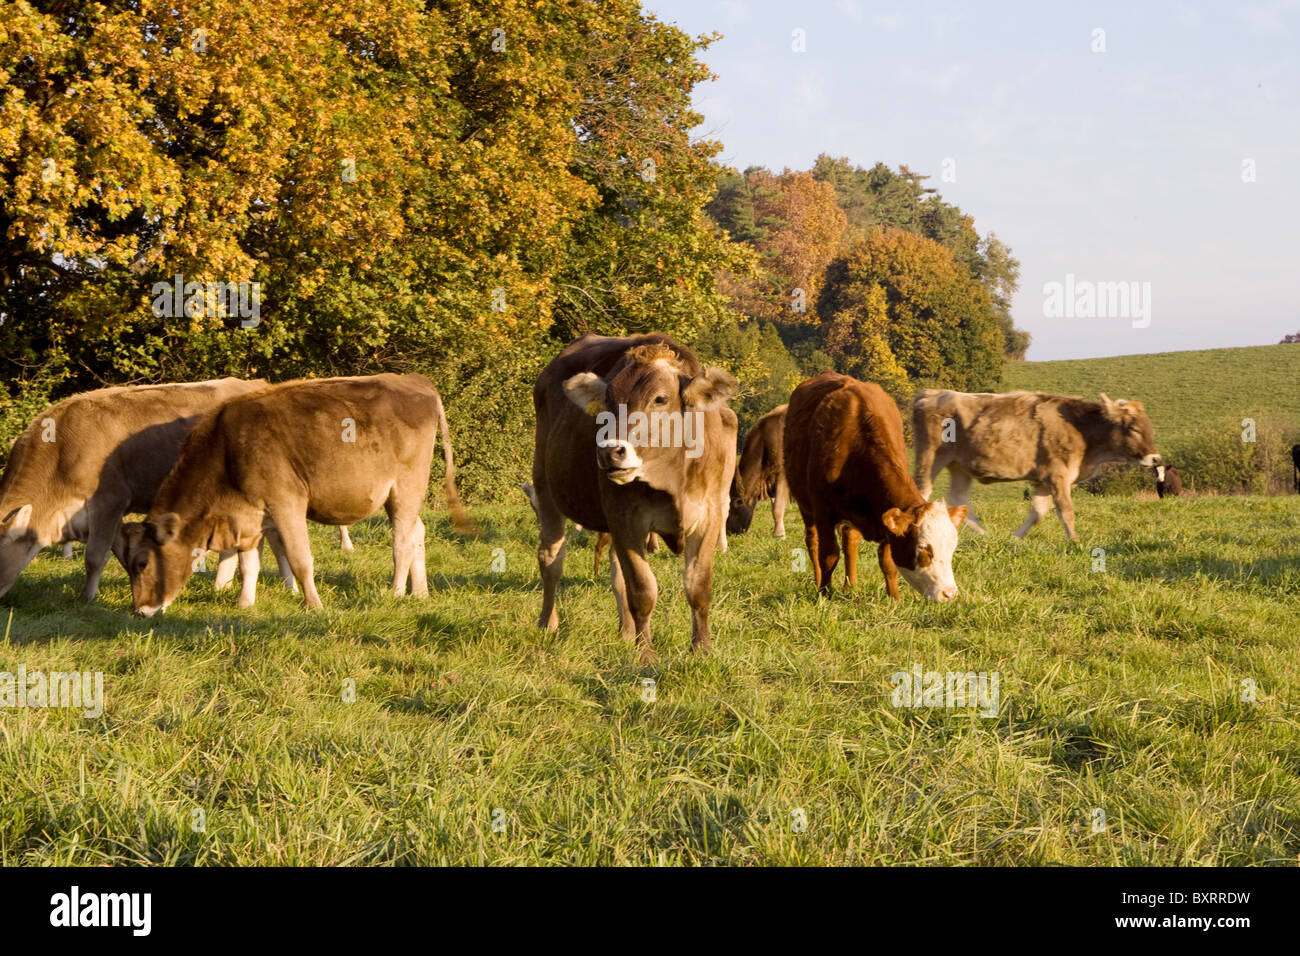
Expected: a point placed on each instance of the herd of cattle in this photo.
(220, 465)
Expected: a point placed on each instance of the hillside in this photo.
(1182, 391)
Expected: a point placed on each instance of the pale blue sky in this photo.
(1125, 165)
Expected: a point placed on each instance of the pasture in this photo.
(1121, 690)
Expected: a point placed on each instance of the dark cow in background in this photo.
(760, 474)
(629, 484)
(1168, 481)
(1295, 461)
(847, 469)
(1052, 441)
(332, 450)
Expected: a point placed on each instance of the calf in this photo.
(1052, 441)
(633, 436)
(333, 450)
(760, 474)
(1168, 481)
(847, 470)
(91, 459)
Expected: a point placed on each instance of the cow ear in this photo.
(166, 528)
(1108, 408)
(958, 515)
(709, 390)
(587, 391)
(897, 521)
(18, 521)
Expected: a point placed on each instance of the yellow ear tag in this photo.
(594, 407)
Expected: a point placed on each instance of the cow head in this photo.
(19, 543)
(648, 412)
(1160, 472)
(156, 560)
(1131, 435)
(922, 540)
(743, 502)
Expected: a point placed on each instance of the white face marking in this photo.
(935, 582)
(1160, 472)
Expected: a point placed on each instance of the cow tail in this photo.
(458, 517)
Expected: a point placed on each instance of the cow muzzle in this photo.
(618, 461)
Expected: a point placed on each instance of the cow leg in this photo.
(930, 460)
(250, 566)
(849, 538)
(885, 555)
(1064, 507)
(345, 540)
(602, 542)
(226, 562)
(281, 559)
(626, 624)
(642, 591)
(779, 501)
(959, 494)
(403, 509)
(297, 548)
(105, 519)
(828, 554)
(550, 555)
(698, 580)
(67, 550)
(1038, 508)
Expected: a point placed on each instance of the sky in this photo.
(1154, 144)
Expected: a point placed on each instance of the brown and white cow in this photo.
(634, 436)
(847, 470)
(91, 459)
(1053, 441)
(332, 450)
(760, 474)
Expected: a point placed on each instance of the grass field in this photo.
(1120, 690)
(1182, 391)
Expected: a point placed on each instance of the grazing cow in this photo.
(633, 436)
(847, 469)
(89, 460)
(1295, 461)
(760, 474)
(1168, 481)
(334, 450)
(1051, 440)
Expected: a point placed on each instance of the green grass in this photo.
(1181, 390)
(1120, 690)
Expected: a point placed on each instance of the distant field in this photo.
(1123, 692)
(1182, 391)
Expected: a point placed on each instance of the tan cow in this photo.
(760, 473)
(633, 436)
(1053, 441)
(332, 450)
(847, 469)
(91, 459)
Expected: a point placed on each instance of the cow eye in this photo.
(924, 556)
(661, 400)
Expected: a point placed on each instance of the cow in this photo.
(603, 538)
(1052, 441)
(760, 474)
(89, 460)
(1295, 461)
(1168, 481)
(334, 450)
(847, 470)
(634, 435)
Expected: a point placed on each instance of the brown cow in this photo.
(847, 469)
(760, 474)
(633, 436)
(1050, 440)
(334, 450)
(91, 459)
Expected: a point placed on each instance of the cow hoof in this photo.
(244, 602)
(648, 656)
